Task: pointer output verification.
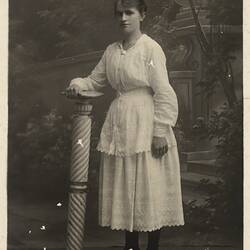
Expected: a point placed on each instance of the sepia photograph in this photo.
(125, 125)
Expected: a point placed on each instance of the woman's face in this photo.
(129, 18)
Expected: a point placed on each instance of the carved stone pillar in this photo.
(81, 133)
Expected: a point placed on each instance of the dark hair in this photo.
(140, 5)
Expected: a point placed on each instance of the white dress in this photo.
(136, 191)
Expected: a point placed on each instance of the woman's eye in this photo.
(128, 12)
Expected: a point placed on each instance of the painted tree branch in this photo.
(200, 33)
(212, 53)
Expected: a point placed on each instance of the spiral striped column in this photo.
(81, 132)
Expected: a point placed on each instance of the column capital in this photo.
(83, 101)
(84, 96)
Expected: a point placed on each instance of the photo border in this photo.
(4, 120)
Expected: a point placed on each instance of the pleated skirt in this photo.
(139, 192)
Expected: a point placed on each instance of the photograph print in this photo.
(125, 125)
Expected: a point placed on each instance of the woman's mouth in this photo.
(125, 25)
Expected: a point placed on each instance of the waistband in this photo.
(136, 91)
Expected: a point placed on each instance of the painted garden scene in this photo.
(53, 181)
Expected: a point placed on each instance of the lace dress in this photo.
(136, 191)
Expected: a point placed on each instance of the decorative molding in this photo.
(81, 58)
(191, 29)
(184, 23)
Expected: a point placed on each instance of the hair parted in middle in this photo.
(140, 5)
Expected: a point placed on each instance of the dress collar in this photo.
(120, 45)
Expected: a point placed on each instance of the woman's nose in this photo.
(123, 17)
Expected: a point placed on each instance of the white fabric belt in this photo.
(137, 91)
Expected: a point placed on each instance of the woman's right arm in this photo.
(95, 81)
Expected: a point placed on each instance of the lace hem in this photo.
(125, 153)
(142, 229)
(122, 154)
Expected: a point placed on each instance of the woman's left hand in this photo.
(159, 146)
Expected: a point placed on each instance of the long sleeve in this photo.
(165, 100)
(97, 79)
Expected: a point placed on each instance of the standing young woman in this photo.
(140, 186)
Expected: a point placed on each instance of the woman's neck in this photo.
(130, 38)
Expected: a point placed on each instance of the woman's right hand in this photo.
(73, 89)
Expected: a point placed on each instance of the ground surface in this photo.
(43, 226)
(37, 217)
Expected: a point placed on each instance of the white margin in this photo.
(246, 92)
(3, 120)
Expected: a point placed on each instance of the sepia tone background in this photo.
(52, 42)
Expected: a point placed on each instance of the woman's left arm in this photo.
(165, 99)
